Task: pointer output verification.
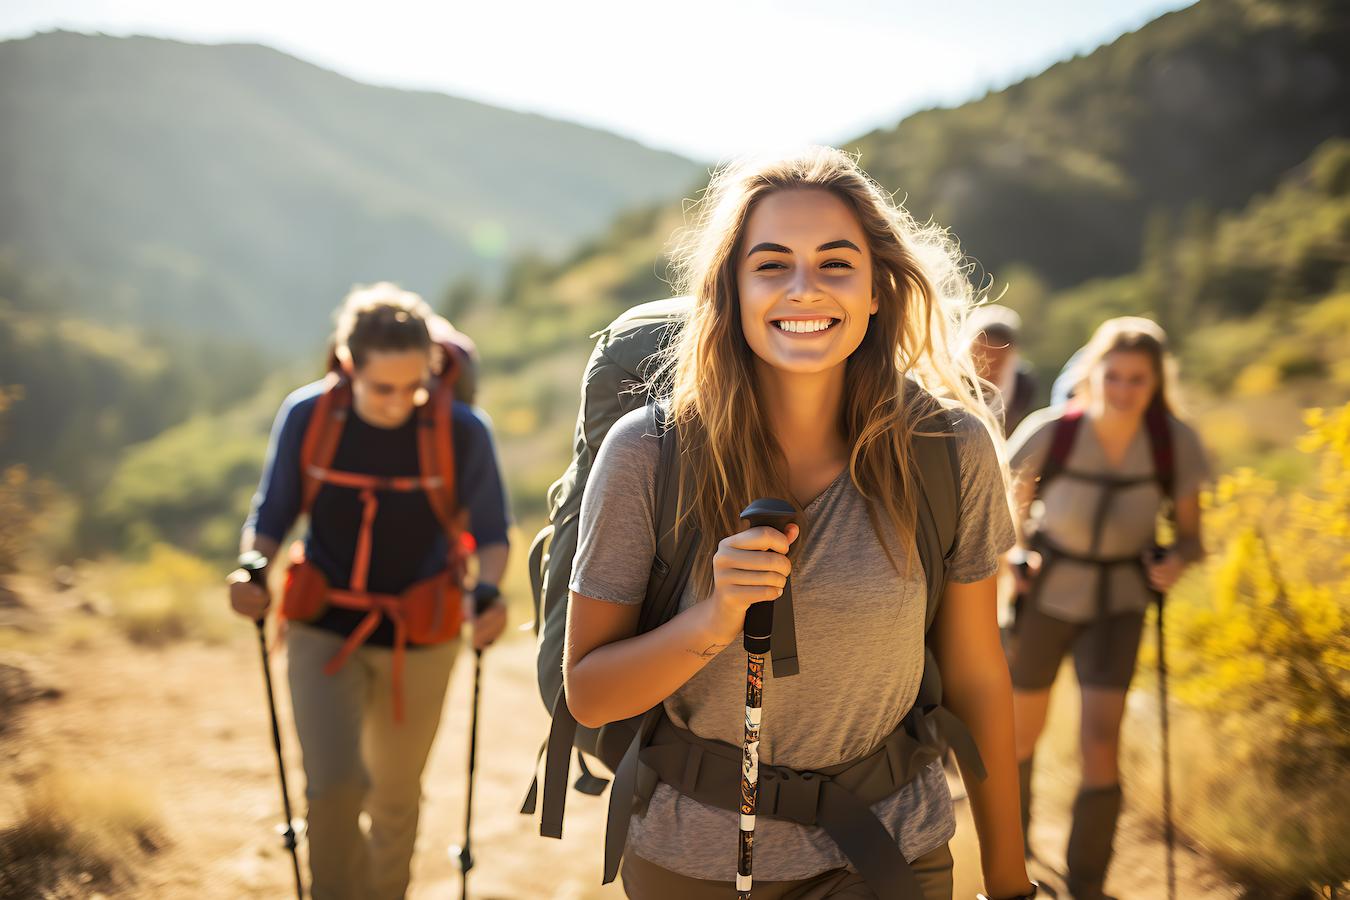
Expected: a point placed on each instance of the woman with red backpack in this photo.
(1103, 466)
(821, 326)
(400, 483)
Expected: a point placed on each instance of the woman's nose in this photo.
(803, 287)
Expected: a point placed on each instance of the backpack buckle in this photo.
(794, 796)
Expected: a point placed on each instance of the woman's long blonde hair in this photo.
(1131, 334)
(730, 454)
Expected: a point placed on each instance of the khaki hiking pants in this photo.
(357, 758)
(644, 880)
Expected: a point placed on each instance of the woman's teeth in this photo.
(803, 326)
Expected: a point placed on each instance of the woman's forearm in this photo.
(630, 676)
(492, 560)
(251, 540)
(1190, 549)
(982, 698)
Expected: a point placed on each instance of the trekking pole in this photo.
(255, 564)
(758, 628)
(1169, 834)
(465, 852)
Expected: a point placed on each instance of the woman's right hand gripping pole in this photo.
(611, 674)
(749, 567)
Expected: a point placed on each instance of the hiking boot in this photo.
(1095, 812)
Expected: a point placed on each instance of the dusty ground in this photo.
(189, 723)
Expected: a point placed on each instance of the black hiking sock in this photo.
(1024, 790)
(1095, 813)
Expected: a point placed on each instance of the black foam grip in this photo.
(778, 514)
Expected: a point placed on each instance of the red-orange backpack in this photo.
(430, 611)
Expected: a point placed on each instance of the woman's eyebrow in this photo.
(837, 245)
(767, 247)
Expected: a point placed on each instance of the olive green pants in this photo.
(645, 880)
(357, 758)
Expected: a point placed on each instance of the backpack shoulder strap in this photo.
(937, 465)
(675, 545)
(436, 457)
(1061, 445)
(322, 435)
(1160, 440)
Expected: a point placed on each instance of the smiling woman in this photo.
(812, 361)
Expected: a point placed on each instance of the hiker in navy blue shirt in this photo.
(402, 488)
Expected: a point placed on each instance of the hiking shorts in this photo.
(1104, 649)
(644, 880)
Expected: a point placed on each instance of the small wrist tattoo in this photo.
(708, 652)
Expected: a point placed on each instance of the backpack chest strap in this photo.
(361, 481)
(369, 487)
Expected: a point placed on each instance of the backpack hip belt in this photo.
(1052, 553)
(379, 606)
(835, 798)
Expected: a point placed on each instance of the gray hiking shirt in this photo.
(861, 646)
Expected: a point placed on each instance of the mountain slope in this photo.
(1062, 174)
(236, 187)
(1208, 106)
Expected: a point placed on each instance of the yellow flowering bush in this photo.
(1259, 646)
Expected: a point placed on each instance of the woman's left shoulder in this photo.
(973, 439)
(472, 418)
(1189, 448)
(1183, 432)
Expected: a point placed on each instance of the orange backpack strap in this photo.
(436, 458)
(322, 435)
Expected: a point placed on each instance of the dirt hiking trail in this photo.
(187, 724)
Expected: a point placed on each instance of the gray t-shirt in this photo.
(1069, 505)
(861, 647)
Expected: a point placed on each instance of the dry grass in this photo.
(168, 596)
(77, 832)
(1275, 827)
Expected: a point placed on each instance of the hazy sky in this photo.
(706, 78)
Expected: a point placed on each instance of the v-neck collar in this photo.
(843, 473)
(1114, 465)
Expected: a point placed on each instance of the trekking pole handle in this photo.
(759, 617)
(1156, 554)
(484, 595)
(255, 565)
